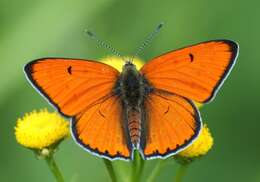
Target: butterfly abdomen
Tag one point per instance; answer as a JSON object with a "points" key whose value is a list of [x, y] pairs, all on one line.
{"points": [[134, 126]]}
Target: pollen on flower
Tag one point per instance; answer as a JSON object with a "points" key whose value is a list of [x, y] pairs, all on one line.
{"points": [[38, 130], [200, 146], [118, 62]]}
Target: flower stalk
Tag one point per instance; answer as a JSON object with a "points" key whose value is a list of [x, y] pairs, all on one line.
{"points": [[110, 170], [137, 167], [156, 170], [54, 168], [181, 172]]}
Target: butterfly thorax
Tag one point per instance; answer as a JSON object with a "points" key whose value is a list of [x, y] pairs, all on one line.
{"points": [[132, 91], [131, 85]]}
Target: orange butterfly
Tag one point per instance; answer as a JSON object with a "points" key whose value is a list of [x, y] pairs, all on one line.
{"points": [[150, 110]]}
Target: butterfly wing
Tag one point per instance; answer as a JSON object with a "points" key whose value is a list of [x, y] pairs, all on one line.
{"points": [[99, 129], [195, 72], [71, 85], [173, 122], [84, 90], [192, 73]]}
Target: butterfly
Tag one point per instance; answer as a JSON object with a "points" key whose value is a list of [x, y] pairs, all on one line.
{"points": [[151, 110]]}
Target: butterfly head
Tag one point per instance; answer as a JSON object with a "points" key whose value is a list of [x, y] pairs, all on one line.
{"points": [[129, 67]]}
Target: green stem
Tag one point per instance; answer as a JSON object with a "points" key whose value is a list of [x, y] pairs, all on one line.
{"points": [[137, 167], [134, 177], [110, 169], [181, 172], [54, 168], [141, 168], [155, 171]]}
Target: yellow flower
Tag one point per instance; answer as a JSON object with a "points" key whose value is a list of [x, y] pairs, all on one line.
{"points": [[38, 130], [200, 146], [118, 62]]}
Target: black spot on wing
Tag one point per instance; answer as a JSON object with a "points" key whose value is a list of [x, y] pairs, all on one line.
{"points": [[191, 57], [69, 70]]}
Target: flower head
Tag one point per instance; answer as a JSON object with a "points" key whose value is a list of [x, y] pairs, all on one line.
{"points": [[118, 62], [200, 146], [38, 130]]}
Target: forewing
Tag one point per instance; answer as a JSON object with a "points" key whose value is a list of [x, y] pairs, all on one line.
{"points": [[100, 130], [173, 122], [195, 72], [71, 85]]}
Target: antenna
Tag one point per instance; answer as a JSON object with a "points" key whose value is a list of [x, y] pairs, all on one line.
{"points": [[148, 40], [102, 43]]}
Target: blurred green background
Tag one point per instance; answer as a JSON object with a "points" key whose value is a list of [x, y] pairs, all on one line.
{"points": [[33, 29]]}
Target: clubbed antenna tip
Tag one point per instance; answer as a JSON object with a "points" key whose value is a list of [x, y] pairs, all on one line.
{"points": [[89, 33], [160, 26]]}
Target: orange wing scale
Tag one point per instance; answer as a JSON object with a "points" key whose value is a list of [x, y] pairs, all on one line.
{"points": [[173, 122], [72, 85], [100, 129], [194, 72]]}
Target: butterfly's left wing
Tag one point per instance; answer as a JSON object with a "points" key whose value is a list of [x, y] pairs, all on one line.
{"points": [[71, 85], [172, 123], [100, 130], [85, 91]]}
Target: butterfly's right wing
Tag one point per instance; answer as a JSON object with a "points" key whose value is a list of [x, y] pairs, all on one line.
{"points": [[172, 123], [195, 72]]}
